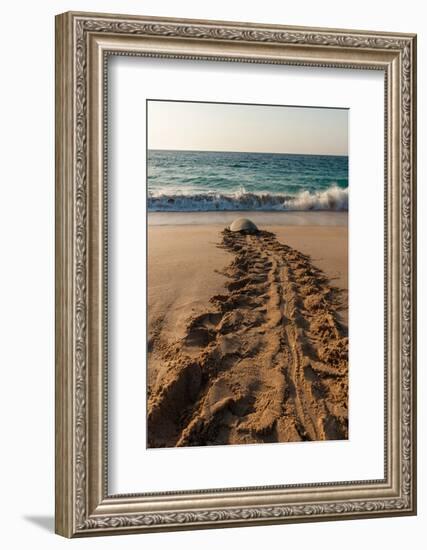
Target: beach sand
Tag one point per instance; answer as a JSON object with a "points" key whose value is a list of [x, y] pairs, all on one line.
{"points": [[247, 334]]}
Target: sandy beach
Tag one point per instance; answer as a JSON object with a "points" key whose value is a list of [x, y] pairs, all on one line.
{"points": [[247, 334]]}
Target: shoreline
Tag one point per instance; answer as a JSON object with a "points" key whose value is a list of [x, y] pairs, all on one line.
{"points": [[264, 218]]}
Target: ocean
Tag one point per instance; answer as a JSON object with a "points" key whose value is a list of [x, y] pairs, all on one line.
{"points": [[194, 181]]}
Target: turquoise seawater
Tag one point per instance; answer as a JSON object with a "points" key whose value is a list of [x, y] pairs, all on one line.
{"points": [[191, 181]]}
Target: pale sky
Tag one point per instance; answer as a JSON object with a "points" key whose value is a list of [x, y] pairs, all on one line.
{"points": [[246, 128]]}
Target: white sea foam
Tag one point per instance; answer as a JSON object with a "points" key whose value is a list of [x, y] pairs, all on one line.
{"points": [[334, 198]]}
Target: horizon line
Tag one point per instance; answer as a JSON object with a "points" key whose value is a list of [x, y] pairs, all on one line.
{"points": [[254, 152]]}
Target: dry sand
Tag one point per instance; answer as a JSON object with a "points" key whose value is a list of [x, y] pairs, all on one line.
{"points": [[247, 334]]}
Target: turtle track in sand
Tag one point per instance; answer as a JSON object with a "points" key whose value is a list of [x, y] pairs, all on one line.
{"points": [[267, 362]]}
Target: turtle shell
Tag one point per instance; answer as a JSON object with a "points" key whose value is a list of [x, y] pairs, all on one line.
{"points": [[244, 225]]}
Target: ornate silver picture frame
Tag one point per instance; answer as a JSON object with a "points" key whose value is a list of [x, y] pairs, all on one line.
{"points": [[84, 42]]}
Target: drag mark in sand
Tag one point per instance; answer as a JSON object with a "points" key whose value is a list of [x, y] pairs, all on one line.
{"points": [[267, 362]]}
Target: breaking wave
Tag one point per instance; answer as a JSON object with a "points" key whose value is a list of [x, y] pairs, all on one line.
{"points": [[334, 198]]}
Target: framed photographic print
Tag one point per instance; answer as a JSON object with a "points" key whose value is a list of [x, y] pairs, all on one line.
{"points": [[235, 274]]}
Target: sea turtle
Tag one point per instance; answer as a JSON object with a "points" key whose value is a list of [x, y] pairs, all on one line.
{"points": [[244, 225]]}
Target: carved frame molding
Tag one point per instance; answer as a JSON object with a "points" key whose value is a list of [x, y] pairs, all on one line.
{"points": [[83, 43]]}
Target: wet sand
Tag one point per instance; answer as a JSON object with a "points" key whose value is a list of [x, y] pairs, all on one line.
{"points": [[247, 334]]}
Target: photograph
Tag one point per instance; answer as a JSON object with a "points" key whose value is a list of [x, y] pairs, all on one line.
{"points": [[247, 273]]}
